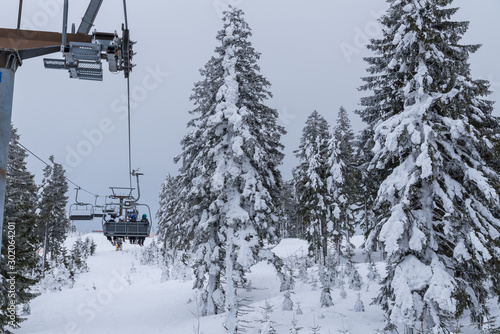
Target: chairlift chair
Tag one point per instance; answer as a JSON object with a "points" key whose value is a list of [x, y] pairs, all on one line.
{"points": [[98, 209], [127, 228], [126, 207], [79, 210]]}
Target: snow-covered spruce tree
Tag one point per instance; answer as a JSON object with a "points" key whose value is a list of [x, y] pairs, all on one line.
{"points": [[292, 226], [78, 257], [311, 184], [61, 272], [89, 246], [433, 138], [369, 182], [359, 306], [229, 178], [342, 183], [314, 195], [266, 324], [150, 255], [171, 233], [287, 304], [164, 210], [52, 203], [327, 277], [19, 263]]}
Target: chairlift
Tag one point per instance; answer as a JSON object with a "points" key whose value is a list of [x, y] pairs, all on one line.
{"points": [[125, 226], [79, 210], [98, 209], [125, 223]]}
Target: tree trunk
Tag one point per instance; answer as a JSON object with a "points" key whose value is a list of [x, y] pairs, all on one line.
{"points": [[212, 286], [324, 241], [45, 248], [231, 302]]}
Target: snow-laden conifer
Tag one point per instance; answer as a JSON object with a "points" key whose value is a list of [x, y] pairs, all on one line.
{"points": [[311, 184], [52, 203], [266, 324], [150, 255], [229, 181], [343, 293], [369, 182], [292, 226], [78, 257], [433, 136], [342, 183], [61, 272], [20, 222], [298, 311], [359, 306], [295, 328], [171, 233], [287, 304]]}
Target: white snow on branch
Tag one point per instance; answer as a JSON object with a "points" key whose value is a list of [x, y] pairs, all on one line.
{"points": [[393, 229]]}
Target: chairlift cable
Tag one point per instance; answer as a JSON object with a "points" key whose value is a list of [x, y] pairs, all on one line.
{"points": [[125, 13], [47, 164], [19, 14], [128, 100]]}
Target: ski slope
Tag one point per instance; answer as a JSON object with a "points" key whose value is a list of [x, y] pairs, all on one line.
{"points": [[119, 295]]}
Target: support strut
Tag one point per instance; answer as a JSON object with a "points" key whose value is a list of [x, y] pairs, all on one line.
{"points": [[9, 61]]}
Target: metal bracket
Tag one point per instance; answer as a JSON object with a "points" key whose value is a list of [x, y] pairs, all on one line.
{"points": [[82, 60], [10, 59]]}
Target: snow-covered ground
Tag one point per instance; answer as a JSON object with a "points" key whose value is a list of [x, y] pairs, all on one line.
{"points": [[119, 295]]}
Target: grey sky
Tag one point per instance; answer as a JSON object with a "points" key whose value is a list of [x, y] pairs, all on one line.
{"points": [[311, 53]]}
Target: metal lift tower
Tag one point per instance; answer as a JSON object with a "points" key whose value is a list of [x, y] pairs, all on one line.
{"points": [[82, 57]]}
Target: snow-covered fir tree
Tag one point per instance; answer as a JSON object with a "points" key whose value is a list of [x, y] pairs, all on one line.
{"points": [[318, 189], [369, 182], [89, 246], [292, 226], [311, 184], [298, 311], [172, 235], [287, 304], [354, 279], [170, 230], [343, 293], [266, 324], [359, 306], [342, 183], [295, 328], [326, 297], [150, 255], [21, 262], [79, 256], [163, 215], [433, 134], [229, 178], [288, 279], [52, 203], [61, 272]]}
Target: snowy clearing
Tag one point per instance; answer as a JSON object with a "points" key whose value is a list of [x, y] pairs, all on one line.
{"points": [[120, 295]]}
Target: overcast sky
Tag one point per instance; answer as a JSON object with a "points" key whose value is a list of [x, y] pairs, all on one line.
{"points": [[311, 53]]}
